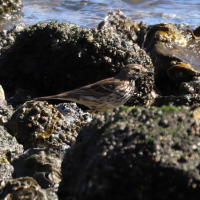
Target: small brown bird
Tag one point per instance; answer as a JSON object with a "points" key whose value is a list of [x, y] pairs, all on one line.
{"points": [[105, 94]]}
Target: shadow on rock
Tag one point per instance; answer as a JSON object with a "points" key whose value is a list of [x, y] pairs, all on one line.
{"points": [[135, 154]]}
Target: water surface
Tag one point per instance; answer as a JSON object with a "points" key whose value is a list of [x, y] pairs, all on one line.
{"points": [[90, 12]]}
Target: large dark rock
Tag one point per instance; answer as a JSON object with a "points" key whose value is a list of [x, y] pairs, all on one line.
{"points": [[48, 58], [141, 153]]}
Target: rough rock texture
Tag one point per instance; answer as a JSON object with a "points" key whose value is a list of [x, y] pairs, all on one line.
{"points": [[9, 149], [49, 58], [187, 100], [44, 165], [32, 122], [25, 188], [125, 26], [73, 119], [7, 37], [174, 50], [6, 169], [5, 110], [39, 124], [191, 87], [141, 153], [10, 6]]}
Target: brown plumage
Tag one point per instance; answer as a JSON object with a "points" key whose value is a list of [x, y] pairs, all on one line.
{"points": [[105, 94]]}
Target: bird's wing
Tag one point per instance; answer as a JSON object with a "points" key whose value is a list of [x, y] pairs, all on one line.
{"points": [[97, 89]]}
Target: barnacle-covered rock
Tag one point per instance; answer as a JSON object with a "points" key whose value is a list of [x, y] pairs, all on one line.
{"points": [[6, 169], [10, 10], [141, 153], [9, 149], [187, 100], [50, 58], [135, 32], [44, 165], [25, 188], [145, 93], [39, 124], [73, 119], [32, 122], [125, 26], [9, 6], [7, 37], [191, 87]]}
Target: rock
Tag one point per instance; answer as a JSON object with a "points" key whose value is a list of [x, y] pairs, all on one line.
{"points": [[25, 188], [44, 165], [49, 58], [39, 124], [125, 26], [19, 98], [141, 153], [175, 55], [10, 7], [9, 150], [5, 110], [7, 37]]}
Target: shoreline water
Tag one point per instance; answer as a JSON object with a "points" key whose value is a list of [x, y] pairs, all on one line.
{"points": [[90, 13]]}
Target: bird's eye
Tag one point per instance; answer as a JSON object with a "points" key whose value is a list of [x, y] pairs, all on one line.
{"points": [[136, 69]]}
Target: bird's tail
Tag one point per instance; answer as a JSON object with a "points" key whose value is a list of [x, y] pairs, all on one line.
{"points": [[62, 96]]}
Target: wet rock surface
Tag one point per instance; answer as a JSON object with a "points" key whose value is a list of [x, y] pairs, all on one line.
{"points": [[140, 153], [175, 55], [25, 188]]}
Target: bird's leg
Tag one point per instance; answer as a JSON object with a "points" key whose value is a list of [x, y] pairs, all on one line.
{"points": [[92, 112]]}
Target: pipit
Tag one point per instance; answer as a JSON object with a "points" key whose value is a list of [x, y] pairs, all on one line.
{"points": [[105, 94]]}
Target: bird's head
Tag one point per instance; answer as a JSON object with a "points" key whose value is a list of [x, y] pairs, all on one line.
{"points": [[132, 71]]}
